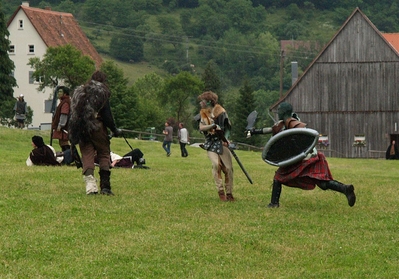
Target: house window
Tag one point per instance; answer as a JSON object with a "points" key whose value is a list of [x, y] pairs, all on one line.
{"points": [[48, 105], [33, 80], [12, 49], [21, 24], [31, 49], [359, 141]]}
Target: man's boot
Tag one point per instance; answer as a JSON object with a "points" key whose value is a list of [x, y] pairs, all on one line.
{"points": [[276, 191], [105, 183], [222, 195], [91, 186], [347, 190]]}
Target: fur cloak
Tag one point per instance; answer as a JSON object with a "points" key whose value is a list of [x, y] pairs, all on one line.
{"points": [[86, 102]]}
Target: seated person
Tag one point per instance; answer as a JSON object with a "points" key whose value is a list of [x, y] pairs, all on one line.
{"points": [[42, 154]]}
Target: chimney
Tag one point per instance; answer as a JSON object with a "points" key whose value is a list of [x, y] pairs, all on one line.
{"points": [[25, 3], [294, 71]]}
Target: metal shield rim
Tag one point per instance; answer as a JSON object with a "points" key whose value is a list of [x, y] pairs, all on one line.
{"points": [[296, 158]]}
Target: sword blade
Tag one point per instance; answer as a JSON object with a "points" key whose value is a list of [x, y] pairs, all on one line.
{"points": [[241, 166], [251, 119]]}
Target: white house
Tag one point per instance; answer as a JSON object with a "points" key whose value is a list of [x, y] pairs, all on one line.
{"points": [[32, 31]]}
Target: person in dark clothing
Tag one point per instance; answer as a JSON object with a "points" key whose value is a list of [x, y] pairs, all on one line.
{"points": [[392, 152], [20, 109], [306, 174], [128, 160], [41, 154], [90, 117]]}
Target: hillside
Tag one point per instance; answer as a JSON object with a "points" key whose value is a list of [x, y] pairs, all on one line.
{"points": [[242, 37], [321, 25], [134, 71]]}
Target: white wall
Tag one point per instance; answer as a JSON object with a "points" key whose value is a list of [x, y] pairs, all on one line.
{"points": [[21, 39]]}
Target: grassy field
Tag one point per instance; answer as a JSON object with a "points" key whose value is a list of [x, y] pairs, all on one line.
{"points": [[167, 221]]}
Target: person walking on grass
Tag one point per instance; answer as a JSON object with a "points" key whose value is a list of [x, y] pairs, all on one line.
{"points": [[90, 117], [183, 139], [168, 132]]}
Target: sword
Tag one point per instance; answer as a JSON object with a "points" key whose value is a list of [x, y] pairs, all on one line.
{"points": [[251, 119], [123, 135], [240, 164], [230, 147], [53, 108], [111, 135]]}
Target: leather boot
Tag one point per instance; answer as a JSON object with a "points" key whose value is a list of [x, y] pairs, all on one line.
{"points": [[91, 186], [105, 183], [222, 195], [276, 191], [347, 190]]}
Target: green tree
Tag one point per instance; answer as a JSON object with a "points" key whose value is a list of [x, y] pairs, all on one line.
{"points": [[151, 112], [244, 106], [171, 29], [122, 104], [67, 6], [243, 16], [127, 47], [7, 81], [177, 93], [64, 63], [99, 11], [205, 21], [210, 78]]}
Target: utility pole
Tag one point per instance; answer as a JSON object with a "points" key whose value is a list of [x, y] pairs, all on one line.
{"points": [[281, 72], [186, 48]]}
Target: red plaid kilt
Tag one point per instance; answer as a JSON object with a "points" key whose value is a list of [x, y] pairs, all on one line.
{"points": [[305, 174]]}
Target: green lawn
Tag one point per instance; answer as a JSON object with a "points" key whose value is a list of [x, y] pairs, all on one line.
{"points": [[167, 221]]}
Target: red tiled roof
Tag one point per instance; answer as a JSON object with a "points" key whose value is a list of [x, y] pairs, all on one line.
{"points": [[58, 29], [393, 39]]}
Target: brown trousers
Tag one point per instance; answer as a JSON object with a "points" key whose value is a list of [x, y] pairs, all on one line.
{"points": [[222, 163], [97, 144]]}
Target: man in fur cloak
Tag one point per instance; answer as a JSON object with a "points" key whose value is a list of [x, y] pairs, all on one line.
{"points": [[90, 117], [215, 125], [306, 174]]}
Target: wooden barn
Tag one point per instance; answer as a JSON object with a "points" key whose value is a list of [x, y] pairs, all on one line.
{"points": [[350, 92]]}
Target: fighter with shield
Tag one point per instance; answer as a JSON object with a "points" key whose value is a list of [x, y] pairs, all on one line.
{"points": [[305, 174]]}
